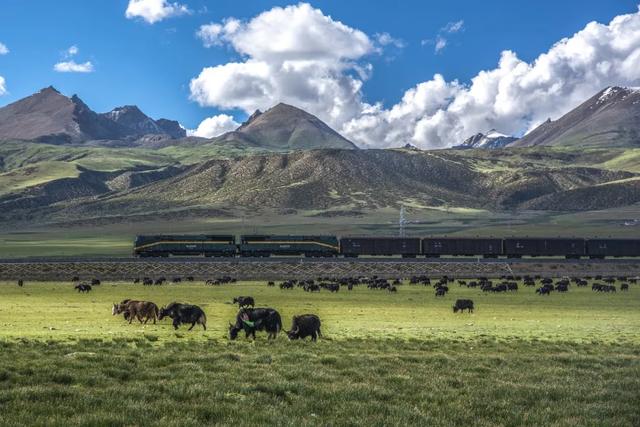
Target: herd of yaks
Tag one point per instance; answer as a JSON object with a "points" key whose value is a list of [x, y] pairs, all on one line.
{"points": [[250, 319]]}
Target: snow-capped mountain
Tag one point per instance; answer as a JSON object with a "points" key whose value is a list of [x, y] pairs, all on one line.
{"points": [[491, 140]]}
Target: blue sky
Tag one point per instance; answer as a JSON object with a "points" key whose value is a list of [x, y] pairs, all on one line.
{"points": [[151, 64]]}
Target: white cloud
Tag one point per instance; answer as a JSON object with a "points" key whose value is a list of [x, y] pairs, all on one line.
{"points": [[4, 50], [454, 27], [72, 51], [302, 57], [294, 54], [386, 39], [514, 97], [440, 44], [73, 67], [214, 126], [153, 11]]}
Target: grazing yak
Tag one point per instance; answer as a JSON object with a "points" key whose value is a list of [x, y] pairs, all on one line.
{"points": [[184, 313], [244, 301], [305, 325], [136, 310], [82, 287], [545, 290], [462, 305], [256, 319]]}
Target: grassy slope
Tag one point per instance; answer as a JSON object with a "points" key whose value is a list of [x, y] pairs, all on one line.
{"points": [[35, 174], [17, 154], [385, 359]]}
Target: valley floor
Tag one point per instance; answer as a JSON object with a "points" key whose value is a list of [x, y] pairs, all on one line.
{"points": [[385, 359]]}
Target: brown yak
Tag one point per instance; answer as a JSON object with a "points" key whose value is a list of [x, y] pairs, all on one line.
{"points": [[136, 309]]}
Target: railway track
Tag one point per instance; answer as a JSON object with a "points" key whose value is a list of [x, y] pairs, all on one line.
{"points": [[63, 269]]}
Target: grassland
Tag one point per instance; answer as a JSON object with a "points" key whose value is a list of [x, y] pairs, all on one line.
{"points": [[385, 359]]}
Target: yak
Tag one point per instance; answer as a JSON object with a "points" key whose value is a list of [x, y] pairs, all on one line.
{"points": [[244, 301], [303, 326], [136, 309], [184, 313], [463, 304], [256, 319], [83, 287]]}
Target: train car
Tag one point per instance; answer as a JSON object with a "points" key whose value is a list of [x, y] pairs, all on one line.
{"points": [[185, 245], [601, 248], [266, 245], [433, 247], [555, 246], [407, 247]]}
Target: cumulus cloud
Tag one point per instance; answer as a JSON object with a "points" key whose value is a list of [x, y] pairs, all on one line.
{"points": [[294, 54], [153, 11], [300, 56], [3, 49], [214, 126], [515, 96], [68, 65], [73, 67], [3, 86]]}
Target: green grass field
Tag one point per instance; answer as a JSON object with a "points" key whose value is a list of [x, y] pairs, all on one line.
{"points": [[385, 359]]}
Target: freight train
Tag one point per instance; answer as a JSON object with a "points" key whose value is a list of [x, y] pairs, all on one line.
{"points": [[406, 247]]}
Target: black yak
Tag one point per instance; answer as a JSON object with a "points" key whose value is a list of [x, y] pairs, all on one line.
{"points": [[305, 325]]}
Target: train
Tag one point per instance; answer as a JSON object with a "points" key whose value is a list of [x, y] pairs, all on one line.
{"points": [[256, 246]]}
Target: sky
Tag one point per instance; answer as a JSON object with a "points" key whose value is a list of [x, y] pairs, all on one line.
{"points": [[383, 73]]}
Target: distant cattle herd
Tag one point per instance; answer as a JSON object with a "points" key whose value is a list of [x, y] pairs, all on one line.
{"points": [[250, 319]]}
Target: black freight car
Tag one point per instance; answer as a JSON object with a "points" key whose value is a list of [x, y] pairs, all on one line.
{"points": [[267, 245], [185, 245], [555, 246], [434, 247], [407, 247], [601, 248]]}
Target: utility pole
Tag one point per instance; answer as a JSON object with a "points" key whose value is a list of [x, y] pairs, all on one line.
{"points": [[402, 221]]}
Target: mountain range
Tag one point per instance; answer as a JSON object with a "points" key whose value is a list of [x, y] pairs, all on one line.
{"points": [[50, 117], [609, 118], [62, 163]]}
